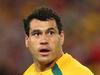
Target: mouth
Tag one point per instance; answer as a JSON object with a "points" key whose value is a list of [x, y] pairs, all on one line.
{"points": [[44, 52]]}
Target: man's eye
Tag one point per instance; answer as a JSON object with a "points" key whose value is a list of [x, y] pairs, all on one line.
{"points": [[36, 34], [51, 32]]}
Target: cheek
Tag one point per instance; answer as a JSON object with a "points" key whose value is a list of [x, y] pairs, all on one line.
{"points": [[32, 45], [56, 43], [33, 42]]}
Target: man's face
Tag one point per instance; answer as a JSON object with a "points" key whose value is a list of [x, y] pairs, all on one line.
{"points": [[44, 41]]}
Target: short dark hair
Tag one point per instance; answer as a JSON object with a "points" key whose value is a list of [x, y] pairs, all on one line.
{"points": [[43, 14]]}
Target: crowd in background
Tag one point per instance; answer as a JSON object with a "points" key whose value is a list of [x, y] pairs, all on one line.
{"points": [[81, 23]]}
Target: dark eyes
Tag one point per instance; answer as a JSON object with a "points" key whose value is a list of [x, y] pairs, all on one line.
{"points": [[51, 32], [36, 34]]}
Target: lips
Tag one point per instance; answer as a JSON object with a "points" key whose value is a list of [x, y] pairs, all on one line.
{"points": [[44, 52]]}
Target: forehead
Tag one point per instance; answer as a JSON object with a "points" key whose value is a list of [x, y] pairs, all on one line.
{"points": [[38, 24]]}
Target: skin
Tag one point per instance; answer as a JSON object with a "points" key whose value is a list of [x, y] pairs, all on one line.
{"points": [[45, 43]]}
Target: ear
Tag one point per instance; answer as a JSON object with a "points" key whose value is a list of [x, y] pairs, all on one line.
{"points": [[26, 40], [62, 37]]}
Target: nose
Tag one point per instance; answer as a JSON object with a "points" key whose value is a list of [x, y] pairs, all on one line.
{"points": [[44, 40]]}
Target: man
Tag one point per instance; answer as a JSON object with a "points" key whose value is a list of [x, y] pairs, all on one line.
{"points": [[44, 38]]}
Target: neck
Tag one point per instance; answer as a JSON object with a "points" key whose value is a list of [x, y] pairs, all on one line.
{"points": [[42, 67]]}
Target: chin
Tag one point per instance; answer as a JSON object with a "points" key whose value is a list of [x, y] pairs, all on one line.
{"points": [[45, 61]]}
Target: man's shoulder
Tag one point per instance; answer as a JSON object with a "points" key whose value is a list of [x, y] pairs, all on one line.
{"points": [[29, 70], [73, 66]]}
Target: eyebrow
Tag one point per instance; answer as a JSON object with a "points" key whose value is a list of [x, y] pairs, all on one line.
{"points": [[51, 29], [36, 30]]}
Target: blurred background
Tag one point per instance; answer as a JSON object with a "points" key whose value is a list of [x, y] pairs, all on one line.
{"points": [[81, 23]]}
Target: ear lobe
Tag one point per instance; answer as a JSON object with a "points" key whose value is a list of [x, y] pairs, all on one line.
{"points": [[26, 40]]}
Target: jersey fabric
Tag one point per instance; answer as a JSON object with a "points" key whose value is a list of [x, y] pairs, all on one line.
{"points": [[65, 65]]}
